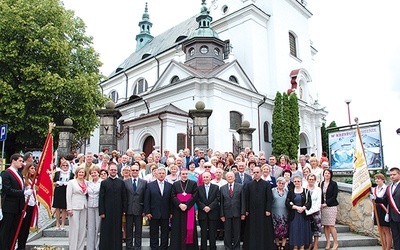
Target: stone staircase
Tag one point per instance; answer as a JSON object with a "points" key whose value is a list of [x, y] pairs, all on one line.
{"points": [[59, 239]]}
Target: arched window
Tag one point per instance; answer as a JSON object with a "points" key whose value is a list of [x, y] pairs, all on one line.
{"points": [[266, 132], [233, 78], [180, 141], [235, 120], [113, 96], [293, 44], [140, 86], [174, 79]]}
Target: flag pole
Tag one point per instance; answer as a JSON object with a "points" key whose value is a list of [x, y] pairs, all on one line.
{"points": [[383, 243], [51, 126], [358, 134]]}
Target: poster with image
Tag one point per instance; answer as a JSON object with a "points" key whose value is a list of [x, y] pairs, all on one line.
{"points": [[342, 144]]}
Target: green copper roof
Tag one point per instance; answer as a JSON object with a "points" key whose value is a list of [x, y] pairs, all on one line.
{"points": [[204, 19], [146, 15]]}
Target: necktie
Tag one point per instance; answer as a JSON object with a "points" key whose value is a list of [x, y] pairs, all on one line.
{"points": [[273, 171], [161, 187], [393, 188], [134, 185], [230, 190], [241, 178], [207, 189]]}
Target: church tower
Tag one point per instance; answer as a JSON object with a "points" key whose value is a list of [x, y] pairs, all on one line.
{"points": [[204, 50], [144, 36]]}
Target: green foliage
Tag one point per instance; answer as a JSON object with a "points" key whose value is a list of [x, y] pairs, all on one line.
{"points": [[48, 72], [294, 123], [333, 125], [324, 135], [285, 126], [324, 138], [278, 143]]}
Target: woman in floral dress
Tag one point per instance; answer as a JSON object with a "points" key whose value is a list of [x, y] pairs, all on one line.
{"points": [[280, 213]]}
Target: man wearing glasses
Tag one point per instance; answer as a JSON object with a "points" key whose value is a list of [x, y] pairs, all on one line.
{"points": [[207, 169]]}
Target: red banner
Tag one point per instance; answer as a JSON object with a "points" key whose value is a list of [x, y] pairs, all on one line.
{"points": [[45, 182]]}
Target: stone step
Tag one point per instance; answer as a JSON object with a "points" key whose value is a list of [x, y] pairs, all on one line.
{"points": [[342, 228], [346, 239], [349, 239], [52, 232]]}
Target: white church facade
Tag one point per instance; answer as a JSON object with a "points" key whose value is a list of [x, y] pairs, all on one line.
{"points": [[233, 56]]}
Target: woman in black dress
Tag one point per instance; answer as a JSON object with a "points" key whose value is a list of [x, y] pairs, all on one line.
{"points": [[60, 182], [382, 210]]}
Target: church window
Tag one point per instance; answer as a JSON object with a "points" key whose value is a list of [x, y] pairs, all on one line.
{"points": [[174, 79], [293, 44], [191, 51], [180, 141], [216, 51], [227, 49], [233, 79], [266, 132], [224, 9], [235, 120], [203, 49], [140, 86], [113, 96]]}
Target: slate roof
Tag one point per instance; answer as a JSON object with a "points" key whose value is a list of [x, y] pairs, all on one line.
{"points": [[159, 44]]}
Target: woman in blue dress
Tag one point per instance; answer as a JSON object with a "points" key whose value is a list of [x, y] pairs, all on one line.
{"points": [[298, 201]]}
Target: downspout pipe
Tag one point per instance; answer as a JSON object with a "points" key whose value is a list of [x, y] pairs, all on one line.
{"points": [[101, 87], [259, 120], [162, 132], [126, 85], [158, 67]]}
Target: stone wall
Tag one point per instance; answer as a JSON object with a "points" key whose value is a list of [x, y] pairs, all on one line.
{"points": [[358, 218]]}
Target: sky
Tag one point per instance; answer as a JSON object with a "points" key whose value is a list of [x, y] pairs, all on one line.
{"points": [[357, 41]]}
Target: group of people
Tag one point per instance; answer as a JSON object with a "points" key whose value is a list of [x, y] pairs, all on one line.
{"points": [[17, 187], [387, 214], [231, 198]]}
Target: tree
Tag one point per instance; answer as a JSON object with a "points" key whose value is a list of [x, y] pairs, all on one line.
{"points": [[324, 138], [324, 135], [285, 126], [48, 72], [294, 126], [278, 143]]}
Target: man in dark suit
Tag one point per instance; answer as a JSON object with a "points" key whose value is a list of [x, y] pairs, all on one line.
{"points": [[124, 163], [240, 176], [157, 207], [135, 190], [12, 201], [232, 211], [208, 213], [392, 197]]}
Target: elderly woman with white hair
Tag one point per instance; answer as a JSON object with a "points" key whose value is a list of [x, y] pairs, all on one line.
{"points": [[280, 213]]}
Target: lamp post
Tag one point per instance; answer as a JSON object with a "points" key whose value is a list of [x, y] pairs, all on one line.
{"points": [[348, 101]]}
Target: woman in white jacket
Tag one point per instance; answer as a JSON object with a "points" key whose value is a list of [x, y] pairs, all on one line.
{"points": [[94, 220], [77, 209], [314, 211]]}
